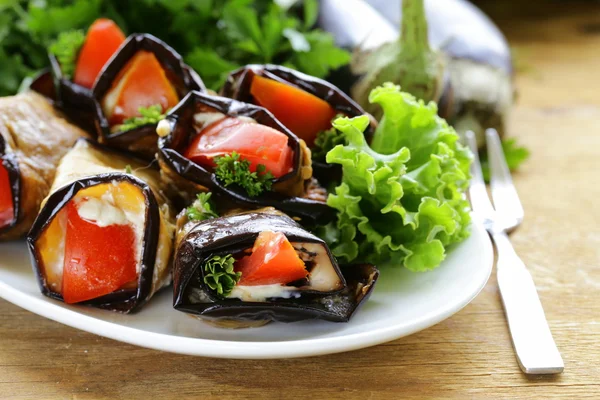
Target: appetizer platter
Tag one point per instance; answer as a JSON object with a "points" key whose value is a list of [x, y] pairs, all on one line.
{"points": [[273, 217]]}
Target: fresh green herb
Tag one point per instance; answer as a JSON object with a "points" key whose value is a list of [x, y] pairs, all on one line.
{"points": [[325, 141], [214, 36], [128, 169], [148, 115], [515, 156], [402, 198], [219, 274], [66, 48], [202, 208], [232, 170]]}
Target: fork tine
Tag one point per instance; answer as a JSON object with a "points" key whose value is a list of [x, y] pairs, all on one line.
{"points": [[504, 194], [480, 202]]}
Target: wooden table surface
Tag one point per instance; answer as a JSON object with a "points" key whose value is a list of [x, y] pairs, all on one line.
{"points": [[466, 356]]}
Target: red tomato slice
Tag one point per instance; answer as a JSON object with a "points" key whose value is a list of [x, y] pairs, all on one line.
{"points": [[143, 82], [7, 211], [273, 260], [256, 143], [103, 39], [98, 260], [303, 113]]}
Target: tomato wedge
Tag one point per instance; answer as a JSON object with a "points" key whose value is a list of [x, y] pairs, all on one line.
{"points": [[273, 260], [98, 260], [256, 143], [7, 211], [301, 112], [143, 82], [102, 40]]}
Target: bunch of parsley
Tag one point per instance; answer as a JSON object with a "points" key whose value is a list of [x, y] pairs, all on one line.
{"points": [[214, 36]]}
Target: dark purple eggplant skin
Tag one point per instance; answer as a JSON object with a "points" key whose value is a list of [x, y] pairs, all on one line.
{"points": [[141, 140], [9, 161], [125, 301], [238, 85], [43, 83], [172, 146], [231, 234], [74, 100]]}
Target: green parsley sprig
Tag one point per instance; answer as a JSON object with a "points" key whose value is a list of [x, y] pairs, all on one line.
{"points": [[202, 208], [327, 140], [232, 170], [148, 115], [219, 274], [66, 49]]}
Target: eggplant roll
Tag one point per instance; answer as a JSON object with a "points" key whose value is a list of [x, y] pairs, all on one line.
{"points": [[203, 127], [251, 268], [33, 138], [144, 74], [74, 82], [104, 235], [304, 104]]}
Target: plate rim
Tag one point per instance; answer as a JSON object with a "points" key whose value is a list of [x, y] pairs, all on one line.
{"points": [[246, 349]]}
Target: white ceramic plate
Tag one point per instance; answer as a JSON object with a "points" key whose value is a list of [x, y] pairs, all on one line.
{"points": [[402, 303]]}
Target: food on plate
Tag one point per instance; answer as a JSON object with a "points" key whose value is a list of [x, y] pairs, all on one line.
{"points": [[33, 138], [104, 235], [304, 104], [143, 81], [403, 198], [242, 154], [250, 268], [77, 58]]}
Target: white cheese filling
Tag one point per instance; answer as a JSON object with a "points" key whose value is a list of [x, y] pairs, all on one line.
{"points": [[263, 292]]}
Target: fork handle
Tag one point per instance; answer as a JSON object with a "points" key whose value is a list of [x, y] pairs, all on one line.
{"points": [[531, 336]]}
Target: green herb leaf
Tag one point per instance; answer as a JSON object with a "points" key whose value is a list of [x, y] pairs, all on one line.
{"points": [[402, 198], [233, 170], [128, 169], [325, 141], [515, 156], [202, 208], [66, 48], [219, 274], [148, 115]]}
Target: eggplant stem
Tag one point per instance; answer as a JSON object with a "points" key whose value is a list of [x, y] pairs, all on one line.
{"points": [[414, 28]]}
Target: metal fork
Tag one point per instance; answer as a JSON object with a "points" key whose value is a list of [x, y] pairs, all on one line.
{"points": [[532, 340]]}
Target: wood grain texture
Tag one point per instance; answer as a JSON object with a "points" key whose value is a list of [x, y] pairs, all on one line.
{"points": [[466, 356]]}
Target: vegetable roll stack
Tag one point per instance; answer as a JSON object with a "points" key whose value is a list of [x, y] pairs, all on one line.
{"points": [[76, 60], [104, 235], [144, 80], [251, 268], [33, 138], [304, 104], [242, 153]]}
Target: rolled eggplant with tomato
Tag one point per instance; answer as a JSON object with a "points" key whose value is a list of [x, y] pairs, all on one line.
{"points": [[33, 138], [144, 80], [104, 235], [248, 269], [304, 104], [242, 154], [76, 60]]}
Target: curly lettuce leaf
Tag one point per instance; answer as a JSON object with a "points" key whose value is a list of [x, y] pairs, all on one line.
{"points": [[403, 197]]}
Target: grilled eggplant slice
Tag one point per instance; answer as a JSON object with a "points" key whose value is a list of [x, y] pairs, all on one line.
{"points": [[327, 292], [144, 72], [303, 103], [104, 235], [293, 192], [33, 138]]}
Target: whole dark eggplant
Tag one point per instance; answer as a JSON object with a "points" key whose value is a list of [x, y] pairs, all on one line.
{"points": [[476, 89]]}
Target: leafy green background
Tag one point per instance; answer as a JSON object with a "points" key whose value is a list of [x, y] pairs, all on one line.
{"points": [[214, 36]]}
